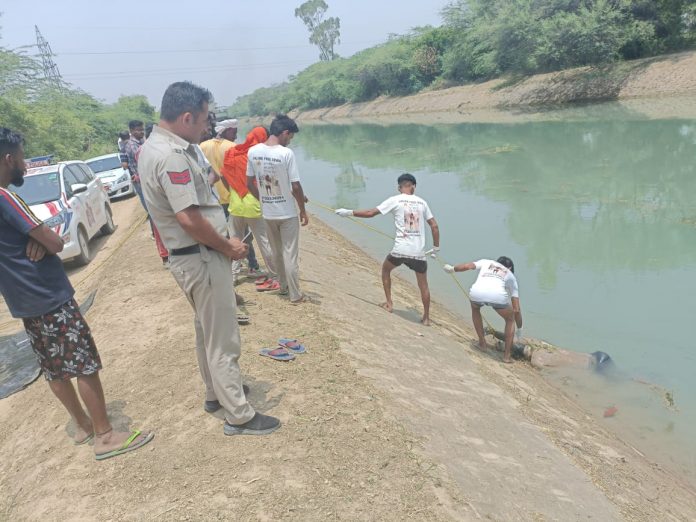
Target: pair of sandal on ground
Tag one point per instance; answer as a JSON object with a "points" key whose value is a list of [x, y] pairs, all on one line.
{"points": [[286, 350]]}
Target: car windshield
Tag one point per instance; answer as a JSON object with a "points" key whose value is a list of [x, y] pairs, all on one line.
{"points": [[40, 188], [105, 164]]}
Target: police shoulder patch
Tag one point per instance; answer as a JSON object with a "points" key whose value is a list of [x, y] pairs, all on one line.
{"points": [[180, 178]]}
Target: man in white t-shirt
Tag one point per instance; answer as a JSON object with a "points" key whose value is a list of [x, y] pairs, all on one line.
{"points": [[411, 213], [496, 286], [273, 179]]}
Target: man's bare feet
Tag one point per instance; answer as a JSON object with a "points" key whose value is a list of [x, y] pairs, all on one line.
{"points": [[388, 306], [425, 321], [478, 346], [83, 433], [114, 440], [507, 361]]}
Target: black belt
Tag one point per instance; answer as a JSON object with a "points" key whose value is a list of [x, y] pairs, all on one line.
{"points": [[193, 249]]}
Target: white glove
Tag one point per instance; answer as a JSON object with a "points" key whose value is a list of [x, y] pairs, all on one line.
{"points": [[518, 335], [449, 269], [433, 252], [344, 212]]}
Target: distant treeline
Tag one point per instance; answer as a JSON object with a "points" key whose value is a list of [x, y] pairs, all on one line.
{"points": [[61, 120], [485, 39]]}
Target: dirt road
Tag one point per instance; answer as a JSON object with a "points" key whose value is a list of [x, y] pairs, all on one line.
{"points": [[383, 419]]}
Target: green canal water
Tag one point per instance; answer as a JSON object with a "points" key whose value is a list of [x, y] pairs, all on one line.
{"points": [[599, 216]]}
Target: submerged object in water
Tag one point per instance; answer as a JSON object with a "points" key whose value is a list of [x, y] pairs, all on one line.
{"points": [[602, 362], [544, 355]]}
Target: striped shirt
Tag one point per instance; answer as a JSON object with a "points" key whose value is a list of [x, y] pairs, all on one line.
{"points": [[130, 150], [30, 289]]}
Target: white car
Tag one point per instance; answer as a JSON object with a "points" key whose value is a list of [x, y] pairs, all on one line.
{"points": [[115, 178], [70, 200]]}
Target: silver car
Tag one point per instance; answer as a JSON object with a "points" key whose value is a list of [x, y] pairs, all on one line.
{"points": [[114, 177]]}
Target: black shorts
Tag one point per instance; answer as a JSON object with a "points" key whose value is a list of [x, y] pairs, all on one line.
{"points": [[63, 343], [419, 266]]}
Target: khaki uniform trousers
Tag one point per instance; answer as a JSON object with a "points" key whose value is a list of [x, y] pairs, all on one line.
{"points": [[284, 236], [237, 227], [206, 279]]}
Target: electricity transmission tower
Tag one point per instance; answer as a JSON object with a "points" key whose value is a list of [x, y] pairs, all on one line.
{"points": [[50, 68]]}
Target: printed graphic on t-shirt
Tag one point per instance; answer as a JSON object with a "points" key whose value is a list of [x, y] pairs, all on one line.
{"points": [[269, 186], [412, 218], [495, 270]]}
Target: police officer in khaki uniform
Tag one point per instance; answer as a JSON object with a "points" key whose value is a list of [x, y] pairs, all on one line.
{"points": [[194, 230]]}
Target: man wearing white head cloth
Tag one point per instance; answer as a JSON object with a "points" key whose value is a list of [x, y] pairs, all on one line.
{"points": [[214, 150]]}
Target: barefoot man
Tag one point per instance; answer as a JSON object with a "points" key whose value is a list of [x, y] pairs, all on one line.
{"points": [[496, 285], [36, 290], [410, 215]]}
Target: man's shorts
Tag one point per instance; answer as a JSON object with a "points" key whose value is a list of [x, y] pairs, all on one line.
{"points": [[420, 266], [495, 306], [63, 343]]}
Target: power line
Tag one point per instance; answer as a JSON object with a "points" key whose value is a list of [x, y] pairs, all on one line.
{"points": [[213, 50], [157, 72]]}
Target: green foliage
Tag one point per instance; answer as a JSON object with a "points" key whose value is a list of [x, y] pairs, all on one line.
{"points": [[480, 40], [325, 33], [66, 122]]}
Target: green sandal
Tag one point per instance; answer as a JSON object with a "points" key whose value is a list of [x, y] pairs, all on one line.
{"points": [[127, 446], [85, 440]]}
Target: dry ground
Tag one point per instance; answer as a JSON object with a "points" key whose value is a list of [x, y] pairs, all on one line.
{"points": [[383, 419]]}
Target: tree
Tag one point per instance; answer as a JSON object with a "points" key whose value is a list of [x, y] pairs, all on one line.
{"points": [[68, 122], [325, 33]]}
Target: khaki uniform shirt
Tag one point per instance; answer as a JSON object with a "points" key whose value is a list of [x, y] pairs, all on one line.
{"points": [[172, 181]]}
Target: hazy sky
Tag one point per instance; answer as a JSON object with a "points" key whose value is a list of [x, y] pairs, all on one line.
{"points": [[231, 47]]}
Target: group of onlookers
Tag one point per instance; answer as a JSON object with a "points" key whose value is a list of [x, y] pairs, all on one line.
{"points": [[200, 201], [203, 202]]}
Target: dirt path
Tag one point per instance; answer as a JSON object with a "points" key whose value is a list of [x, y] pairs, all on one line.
{"points": [[85, 278], [384, 419], [338, 456]]}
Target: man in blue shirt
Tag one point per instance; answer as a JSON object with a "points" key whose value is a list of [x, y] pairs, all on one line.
{"points": [[37, 290]]}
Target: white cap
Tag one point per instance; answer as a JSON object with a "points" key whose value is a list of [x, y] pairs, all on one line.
{"points": [[226, 124]]}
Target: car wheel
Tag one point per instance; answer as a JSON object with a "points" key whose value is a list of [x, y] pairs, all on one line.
{"points": [[84, 257], [109, 226]]}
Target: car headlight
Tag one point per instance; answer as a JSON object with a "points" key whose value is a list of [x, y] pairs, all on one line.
{"points": [[55, 221], [122, 179]]}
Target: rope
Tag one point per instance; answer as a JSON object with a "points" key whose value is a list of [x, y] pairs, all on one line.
{"points": [[354, 220], [133, 229], [369, 227], [97, 266]]}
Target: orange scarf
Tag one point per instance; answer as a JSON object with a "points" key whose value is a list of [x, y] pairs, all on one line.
{"points": [[235, 164]]}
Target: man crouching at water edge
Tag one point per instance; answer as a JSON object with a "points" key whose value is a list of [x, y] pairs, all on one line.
{"points": [[37, 290], [194, 230], [496, 285], [410, 215]]}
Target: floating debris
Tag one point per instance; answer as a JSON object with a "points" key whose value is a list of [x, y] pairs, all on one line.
{"points": [[610, 411]]}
